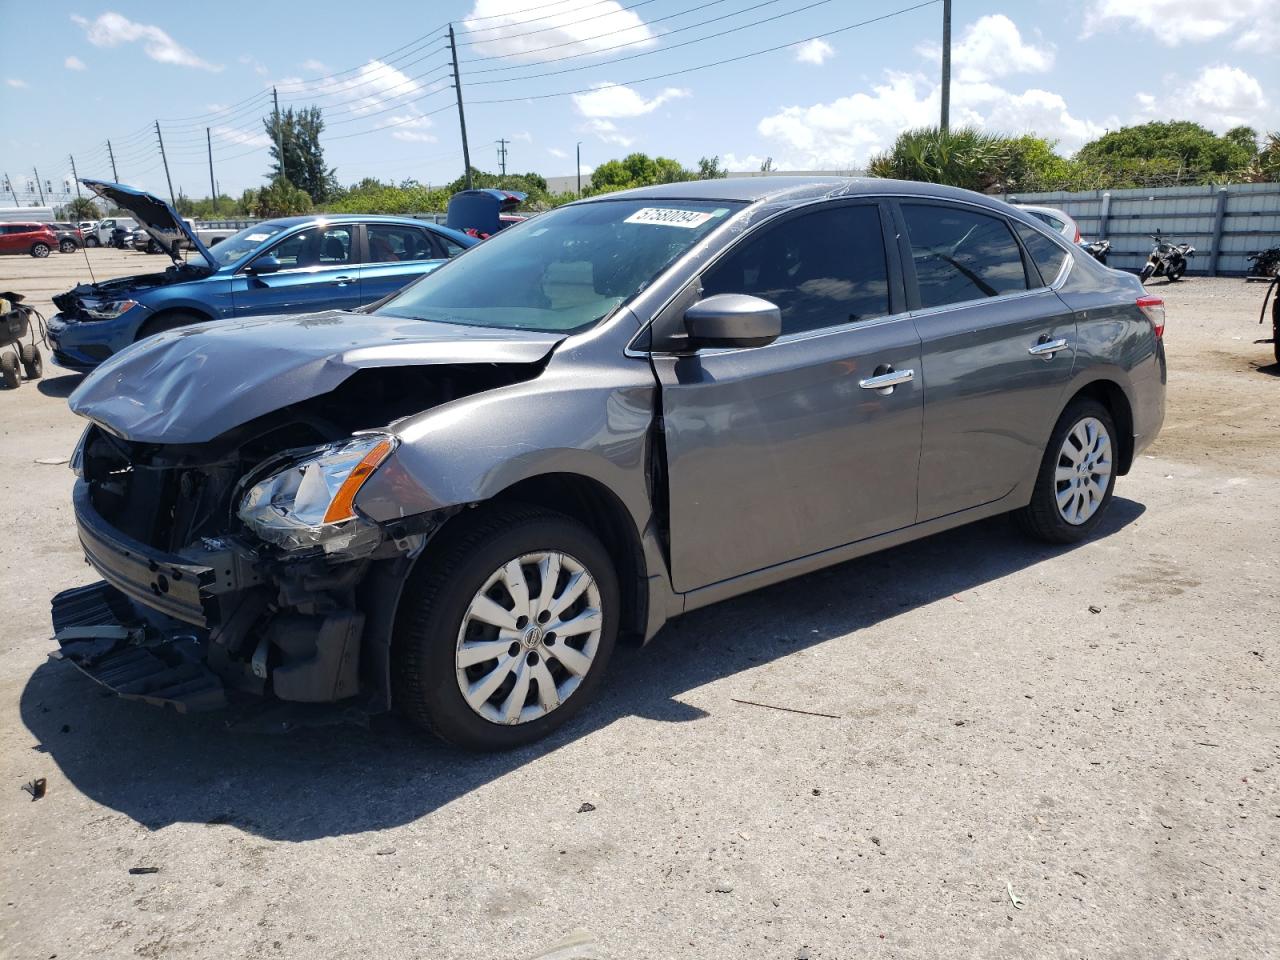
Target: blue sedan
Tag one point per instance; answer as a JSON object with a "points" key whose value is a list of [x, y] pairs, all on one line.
{"points": [[289, 265]]}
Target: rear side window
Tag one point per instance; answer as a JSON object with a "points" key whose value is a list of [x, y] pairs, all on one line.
{"points": [[960, 255], [389, 243], [451, 247], [1047, 255], [821, 269]]}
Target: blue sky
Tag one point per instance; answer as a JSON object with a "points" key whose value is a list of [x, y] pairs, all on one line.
{"points": [[1066, 69]]}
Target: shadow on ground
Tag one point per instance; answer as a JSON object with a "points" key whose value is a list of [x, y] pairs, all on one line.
{"points": [[159, 768], [62, 386]]}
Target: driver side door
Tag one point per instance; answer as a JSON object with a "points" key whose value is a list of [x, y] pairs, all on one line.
{"points": [[319, 270]]}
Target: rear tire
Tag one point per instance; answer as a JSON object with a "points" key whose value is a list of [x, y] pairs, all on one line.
{"points": [[1146, 273], [438, 615], [40, 250], [1079, 460], [167, 321], [9, 371], [32, 362], [1175, 273], [67, 246]]}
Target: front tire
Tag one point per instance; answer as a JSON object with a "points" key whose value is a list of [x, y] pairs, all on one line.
{"points": [[1077, 476], [167, 321], [505, 628], [1147, 271], [40, 250], [92, 242]]}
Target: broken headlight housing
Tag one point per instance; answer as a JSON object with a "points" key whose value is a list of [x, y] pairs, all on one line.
{"points": [[107, 309], [307, 499]]}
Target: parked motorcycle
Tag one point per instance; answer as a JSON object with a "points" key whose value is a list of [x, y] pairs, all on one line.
{"points": [[1266, 264], [1098, 249], [1167, 260]]}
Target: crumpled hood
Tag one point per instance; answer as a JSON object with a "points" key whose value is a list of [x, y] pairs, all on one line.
{"points": [[193, 384]]}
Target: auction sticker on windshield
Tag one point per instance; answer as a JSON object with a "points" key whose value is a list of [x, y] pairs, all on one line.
{"points": [[665, 217]]}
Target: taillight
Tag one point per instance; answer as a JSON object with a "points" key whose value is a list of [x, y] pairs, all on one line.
{"points": [[1153, 309], [1077, 233]]}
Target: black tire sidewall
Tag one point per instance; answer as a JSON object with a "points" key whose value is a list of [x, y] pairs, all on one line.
{"points": [[37, 247], [9, 374], [432, 625], [1058, 529], [165, 322], [67, 246]]}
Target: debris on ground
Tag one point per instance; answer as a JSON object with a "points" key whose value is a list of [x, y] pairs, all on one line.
{"points": [[385, 851], [770, 706], [586, 807], [1013, 897], [36, 788], [52, 461], [1094, 609], [138, 871]]}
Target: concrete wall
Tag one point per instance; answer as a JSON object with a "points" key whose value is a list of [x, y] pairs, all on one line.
{"points": [[1224, 224]]}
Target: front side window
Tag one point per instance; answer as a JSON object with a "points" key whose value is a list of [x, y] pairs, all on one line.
{"points": [[391, 244], [1047, 255], [961, 255], [565, 271], [821, 269], [320, 246]]}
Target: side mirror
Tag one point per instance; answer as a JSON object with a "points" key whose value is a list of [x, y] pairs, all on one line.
{"points": [[733, 320], [267, 264]]}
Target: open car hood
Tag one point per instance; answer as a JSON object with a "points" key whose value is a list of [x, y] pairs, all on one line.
{"points": [[195, 383], [156, 217]]}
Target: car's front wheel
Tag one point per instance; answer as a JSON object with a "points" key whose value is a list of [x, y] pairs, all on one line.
{"points": [[91, 241], [505, 627], [1077, 476], [40, 250]]}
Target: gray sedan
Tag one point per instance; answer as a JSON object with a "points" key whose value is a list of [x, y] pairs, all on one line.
{"points": [[454, 503]]}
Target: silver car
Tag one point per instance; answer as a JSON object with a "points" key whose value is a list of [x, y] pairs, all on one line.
{"points": [[453, 503]]}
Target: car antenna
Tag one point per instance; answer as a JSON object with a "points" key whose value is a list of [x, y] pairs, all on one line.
{"points": [[85, 250]]}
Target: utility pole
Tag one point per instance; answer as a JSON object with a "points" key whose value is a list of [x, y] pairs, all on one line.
{"points": [[208, 139], [39, 188], [577, 152], [75, 176], [946, 65], [279, 130], [114, 176], [8, 185], [462, 117], [165, 160], [502, 155]]}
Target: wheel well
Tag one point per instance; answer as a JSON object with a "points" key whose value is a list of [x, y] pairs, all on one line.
{"points": [[1110, 395], [147, 328], [598, 507]]}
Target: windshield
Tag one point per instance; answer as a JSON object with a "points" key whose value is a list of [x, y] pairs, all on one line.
{"points": [[564, 270], [238, 244]]}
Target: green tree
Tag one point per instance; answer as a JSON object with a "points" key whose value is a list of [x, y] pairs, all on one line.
{"points": [[1178, 150], [81, 208], [709, 169], [962, 157], [637, 170], [298, 132], [280, 198]]}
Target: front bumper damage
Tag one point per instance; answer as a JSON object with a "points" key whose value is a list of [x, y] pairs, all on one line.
{"points": [[224, 622]]}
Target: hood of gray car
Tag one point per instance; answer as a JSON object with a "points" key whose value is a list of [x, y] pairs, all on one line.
{"points": [[193, 384]]}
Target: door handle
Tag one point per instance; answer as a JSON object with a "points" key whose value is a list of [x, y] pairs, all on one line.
{"points": [[1047, 349], [885, 382], [342, 281]]}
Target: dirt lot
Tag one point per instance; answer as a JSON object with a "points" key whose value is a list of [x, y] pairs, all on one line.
{"points": [[1095, 732]]}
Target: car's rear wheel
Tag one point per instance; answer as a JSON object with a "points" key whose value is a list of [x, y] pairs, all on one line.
{"points": [[505, 628], [168, 321], [1077, 476], [40, 250], [67, 246]]}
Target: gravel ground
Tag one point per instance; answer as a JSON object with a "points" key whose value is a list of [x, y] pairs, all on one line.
{"points": [[1091, 731]]}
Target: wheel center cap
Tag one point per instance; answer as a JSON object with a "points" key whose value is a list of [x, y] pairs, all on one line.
{"points": [[532, 637]]}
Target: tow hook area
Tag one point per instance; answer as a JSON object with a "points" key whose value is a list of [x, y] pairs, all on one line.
{"points": [[99, 633]]}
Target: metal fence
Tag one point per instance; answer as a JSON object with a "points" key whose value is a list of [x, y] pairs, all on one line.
{"points": [[1224, 224]]}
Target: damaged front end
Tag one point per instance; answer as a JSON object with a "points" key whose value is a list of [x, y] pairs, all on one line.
{"points": [[238, 567]]}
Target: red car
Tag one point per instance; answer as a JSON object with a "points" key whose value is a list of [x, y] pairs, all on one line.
{"points": [[37, 239]]}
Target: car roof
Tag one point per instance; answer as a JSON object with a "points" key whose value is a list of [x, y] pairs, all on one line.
{"points": [[347, 218], [795, 190]]}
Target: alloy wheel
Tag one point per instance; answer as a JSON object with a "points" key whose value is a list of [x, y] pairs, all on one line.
{"points": [[529, 637], [1084, 470]]}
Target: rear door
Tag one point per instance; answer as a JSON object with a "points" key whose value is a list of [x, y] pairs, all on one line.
{"points": [[319, 270], [998, 347], [8, 239], [396, 254], [781, 451]]}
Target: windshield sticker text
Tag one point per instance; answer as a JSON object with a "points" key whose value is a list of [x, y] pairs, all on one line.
{"points": [[663, 217]]}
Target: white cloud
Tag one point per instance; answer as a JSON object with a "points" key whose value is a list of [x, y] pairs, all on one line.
{"points": [[558, 153], [504, 28], [751, 163], [259, 68], [991, 46], [242, 137], [16, 83], [74, 63], [523, 135], [374, 85], [315, 66], [608, 132], [1220, 97], [1173, 22], [411, 128], [615, 100], [111, 30], [816, 51]]}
